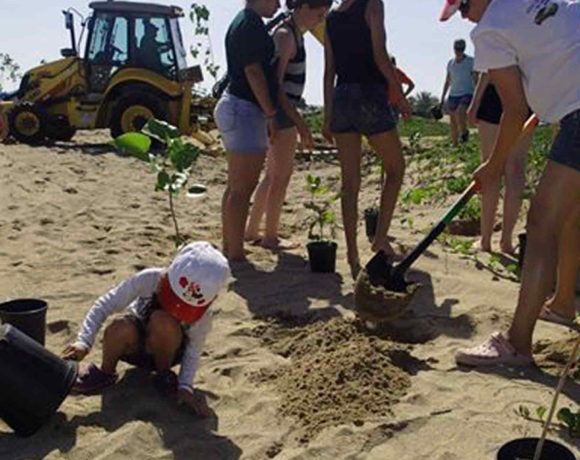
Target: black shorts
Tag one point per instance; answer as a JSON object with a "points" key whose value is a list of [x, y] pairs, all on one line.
{"points": [[141, 358], [490, 110], [566, 147]]}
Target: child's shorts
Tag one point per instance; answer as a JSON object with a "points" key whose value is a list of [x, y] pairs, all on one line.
{"points": [[453, 102], [141, 358], [242, 125], [362, 108], [283, 121], [566, 147]]}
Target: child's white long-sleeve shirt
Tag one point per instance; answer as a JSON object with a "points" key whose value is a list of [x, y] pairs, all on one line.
{"points": [[134, 295]]}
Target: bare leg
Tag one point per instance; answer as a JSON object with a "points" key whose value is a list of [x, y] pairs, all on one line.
{"points": [[164, 337], [121, 337], [388, 147], [562, 302], [462, 119], [454, 123], [557, 197], [269, 197], [350, 154], [489, 196], [243, 174], [515, 182]]}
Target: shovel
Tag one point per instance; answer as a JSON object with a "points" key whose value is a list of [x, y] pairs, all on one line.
{"points": [[392, 277]]}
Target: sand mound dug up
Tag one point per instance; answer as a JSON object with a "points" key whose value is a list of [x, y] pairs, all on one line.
{"points": [[553, 356], [337, 374]]}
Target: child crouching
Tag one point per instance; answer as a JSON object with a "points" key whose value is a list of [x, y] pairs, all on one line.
{"points": [[166, 321]]}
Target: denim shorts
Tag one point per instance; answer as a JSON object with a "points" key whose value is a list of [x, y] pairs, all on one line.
{"points": [[566, 146], [362, 108], [453, 102], [242, 125]]}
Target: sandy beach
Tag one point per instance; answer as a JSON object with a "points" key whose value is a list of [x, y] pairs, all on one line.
{"points": [[288, 370]]}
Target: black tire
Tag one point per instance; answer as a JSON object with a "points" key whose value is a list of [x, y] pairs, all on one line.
{"points": [[151, 102], [28, 123], [59, 129]]}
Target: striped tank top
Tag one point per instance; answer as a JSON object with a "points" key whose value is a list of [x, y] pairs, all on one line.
{"points": [[295, 76]]}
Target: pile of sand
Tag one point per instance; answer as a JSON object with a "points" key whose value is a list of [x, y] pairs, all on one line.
{"points": [[337, 374], [554, 355]]}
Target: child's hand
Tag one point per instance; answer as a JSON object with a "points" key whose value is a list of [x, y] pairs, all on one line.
{"points": [[327, 132], [75, 352], [195, 401]]}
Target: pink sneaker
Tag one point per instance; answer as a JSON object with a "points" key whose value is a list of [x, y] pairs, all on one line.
{"points": [[497, 350]]}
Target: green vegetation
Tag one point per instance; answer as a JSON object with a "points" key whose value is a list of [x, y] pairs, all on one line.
{"points": [[321, 204], [9, 69], [173, 165]]}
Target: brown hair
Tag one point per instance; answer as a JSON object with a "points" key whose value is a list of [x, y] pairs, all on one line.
{"points": [[293, 4]]}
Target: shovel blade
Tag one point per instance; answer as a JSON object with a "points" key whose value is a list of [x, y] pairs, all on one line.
{"points": [[379, 268]]}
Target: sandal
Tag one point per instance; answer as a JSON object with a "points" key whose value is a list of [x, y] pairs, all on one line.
{"points": [[166, 382], [92, 380], [497, 350], [550, 316]]}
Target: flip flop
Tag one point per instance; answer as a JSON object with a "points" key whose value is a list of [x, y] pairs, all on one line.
{"points": [[497, 350], [550, 316]]}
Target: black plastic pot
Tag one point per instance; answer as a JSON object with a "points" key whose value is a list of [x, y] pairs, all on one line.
{"points": [[33, 381], [371, 222], [523, 239], [322, 256], [437, 112], [525, 448], [28, 315]]}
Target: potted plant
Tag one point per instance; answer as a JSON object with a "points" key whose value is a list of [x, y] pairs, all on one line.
{"points": [[540, 448], [322, 224], [371, 216], [173, 165]]}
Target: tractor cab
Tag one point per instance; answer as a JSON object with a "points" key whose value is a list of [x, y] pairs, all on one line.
{"points": [[133, 35]]}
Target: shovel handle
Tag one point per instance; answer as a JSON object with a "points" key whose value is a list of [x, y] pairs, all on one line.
{"points": [[400, 269]]}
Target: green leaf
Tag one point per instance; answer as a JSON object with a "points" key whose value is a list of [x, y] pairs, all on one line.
{"points": [[196, 191], [134, 144], [566, 416], [540, 412], [163, 181], [160, 130], [183, 155]]}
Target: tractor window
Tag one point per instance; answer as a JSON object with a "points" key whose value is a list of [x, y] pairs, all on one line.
{"points": [[109, 42], [179, 48], [154, 46]]}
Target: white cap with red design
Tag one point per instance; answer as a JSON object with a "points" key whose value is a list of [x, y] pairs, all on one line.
{"points": [[449, 9], [193, 281]]}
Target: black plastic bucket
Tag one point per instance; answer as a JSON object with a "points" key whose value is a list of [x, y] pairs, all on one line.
{"points": [[525, 448], [28, 315], [322, 256], [371, 221], [523, 239], [33, 381]]}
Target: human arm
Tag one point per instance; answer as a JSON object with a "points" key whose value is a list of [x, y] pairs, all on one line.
{"points": [[286, 46], [375, 17], [257, 81], [196, 338], [446, 86], [480, 88], [143, 284], [405, 80], [329, 79], [508, 83]]}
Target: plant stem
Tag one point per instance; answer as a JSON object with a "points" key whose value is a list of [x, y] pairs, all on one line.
{"points": [[559, 388], [171, 207]]}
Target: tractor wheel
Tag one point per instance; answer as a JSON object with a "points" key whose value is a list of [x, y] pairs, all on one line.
{"points": [[59, 129], [28, 123], [133, 111]]}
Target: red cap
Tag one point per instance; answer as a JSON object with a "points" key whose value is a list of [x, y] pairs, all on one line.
{"points": [[449, 9], [176, 307]]}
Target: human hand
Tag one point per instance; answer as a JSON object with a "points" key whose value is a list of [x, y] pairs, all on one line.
{"points": [[306, 138], [404, 108], [272, 127], [472, 116], [486, 174], [75, 352], [195, 401]]}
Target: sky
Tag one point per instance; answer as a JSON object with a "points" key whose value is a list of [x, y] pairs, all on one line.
{"points": [[32, 30]]}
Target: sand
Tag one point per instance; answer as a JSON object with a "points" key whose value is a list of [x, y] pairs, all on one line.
{"points": [[75, 219]]}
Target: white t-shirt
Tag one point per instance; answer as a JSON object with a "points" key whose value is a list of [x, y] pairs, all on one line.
{"points": [[133, 295], [541, 37]]}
